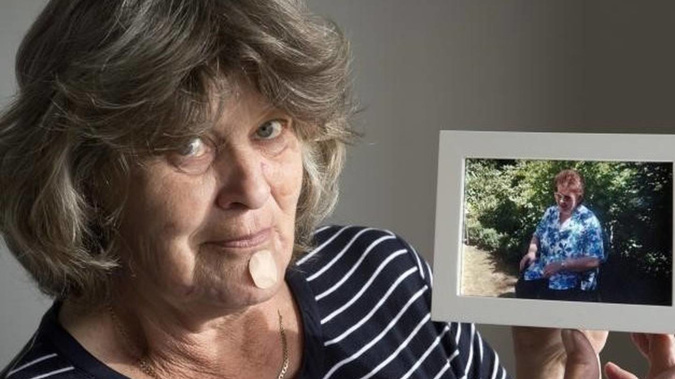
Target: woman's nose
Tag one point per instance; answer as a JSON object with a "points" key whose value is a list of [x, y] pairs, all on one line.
{"points": [[243, 183]]}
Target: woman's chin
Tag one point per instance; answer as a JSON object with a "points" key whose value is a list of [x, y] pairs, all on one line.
{"points": [[239, 296]]}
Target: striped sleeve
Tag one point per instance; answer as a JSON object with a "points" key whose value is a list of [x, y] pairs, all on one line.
{"points": [[38, 361], [52, 353]]}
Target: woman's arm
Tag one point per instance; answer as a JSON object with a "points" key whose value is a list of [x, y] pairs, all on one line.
{"points": [[531, 254], [571, 264], [535, 242]]}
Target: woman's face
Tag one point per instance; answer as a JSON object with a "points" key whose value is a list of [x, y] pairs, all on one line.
{"points": [[567, 199], [194, 217]]}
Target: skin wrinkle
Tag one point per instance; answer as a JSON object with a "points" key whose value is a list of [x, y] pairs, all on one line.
{"points": [[196, 360]]}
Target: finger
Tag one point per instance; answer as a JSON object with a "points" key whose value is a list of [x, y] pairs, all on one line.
{"points": [[598, 338], [615, 372], [641, 341], [549, 270], [661, 353], [670, 374], [523, 262], [582, 361]]}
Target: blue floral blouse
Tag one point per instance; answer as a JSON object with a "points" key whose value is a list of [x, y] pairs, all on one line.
{"points": [[579, 236]]}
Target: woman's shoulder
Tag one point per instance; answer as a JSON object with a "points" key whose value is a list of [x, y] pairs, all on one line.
{"points": [[551, 211], [339, 248], [585, 214], [371, 294], [345, 234], [39, 359], [53, 353], [359, 266]]}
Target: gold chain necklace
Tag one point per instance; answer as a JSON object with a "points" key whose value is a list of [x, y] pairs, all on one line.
{"points": [[284, 347], [147, 370]]}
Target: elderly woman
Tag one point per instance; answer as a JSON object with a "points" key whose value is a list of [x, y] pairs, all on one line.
{"points": [[165, 164], [566, 248]]}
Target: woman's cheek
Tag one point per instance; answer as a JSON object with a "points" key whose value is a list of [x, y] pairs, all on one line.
{"points": [[285, 178]]}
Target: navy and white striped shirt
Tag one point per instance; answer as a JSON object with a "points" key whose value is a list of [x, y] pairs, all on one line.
{"points": [[365, 298]]}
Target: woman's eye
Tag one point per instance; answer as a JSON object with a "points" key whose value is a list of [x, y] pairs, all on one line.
{"points": [[270, 129], [195, 148], [195, 157]]}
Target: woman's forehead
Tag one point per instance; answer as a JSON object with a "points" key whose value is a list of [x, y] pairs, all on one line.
{"points": [[243, 97], [242, 105], [567, 189]]}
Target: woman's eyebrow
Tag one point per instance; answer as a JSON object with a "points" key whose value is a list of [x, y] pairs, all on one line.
{"points": [[274, 113]]}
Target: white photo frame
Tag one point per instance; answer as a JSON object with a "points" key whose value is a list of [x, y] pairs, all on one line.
{"points": [[447, 302]]}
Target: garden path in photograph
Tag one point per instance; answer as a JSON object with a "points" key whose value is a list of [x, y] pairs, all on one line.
{"points": [[483, 276]]}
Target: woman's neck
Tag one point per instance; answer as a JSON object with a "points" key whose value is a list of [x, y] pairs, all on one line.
{"points": [[171, 342], [565, 215]]}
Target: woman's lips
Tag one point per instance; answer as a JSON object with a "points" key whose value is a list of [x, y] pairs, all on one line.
{"points": [[249, 240]]}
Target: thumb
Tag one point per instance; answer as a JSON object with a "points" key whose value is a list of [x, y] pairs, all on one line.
{"points": [[582, 361], [615, 372]]}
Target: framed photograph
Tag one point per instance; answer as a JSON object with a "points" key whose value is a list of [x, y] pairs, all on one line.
{"points": [[555, 230]]}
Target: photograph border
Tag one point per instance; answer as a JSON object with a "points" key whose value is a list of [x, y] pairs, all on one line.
{"points": [[448, 304]]}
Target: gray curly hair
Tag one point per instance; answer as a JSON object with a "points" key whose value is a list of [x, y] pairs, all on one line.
{"points": [[104, 83]]}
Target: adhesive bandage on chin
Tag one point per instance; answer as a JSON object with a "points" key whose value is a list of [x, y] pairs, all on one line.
{"points": [[263, 269]]}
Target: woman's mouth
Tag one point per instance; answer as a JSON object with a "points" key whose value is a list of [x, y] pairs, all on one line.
{"points": [[247, 240]]}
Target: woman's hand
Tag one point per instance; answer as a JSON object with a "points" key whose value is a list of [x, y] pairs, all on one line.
{"points": [[658, 349], [552, 269], [528, 259], [545, 353]]}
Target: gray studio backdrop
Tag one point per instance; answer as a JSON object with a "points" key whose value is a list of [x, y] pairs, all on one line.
{"points": [[422, 66]]}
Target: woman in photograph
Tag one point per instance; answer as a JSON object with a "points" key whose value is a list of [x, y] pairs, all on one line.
{"points": [[566, 250]]}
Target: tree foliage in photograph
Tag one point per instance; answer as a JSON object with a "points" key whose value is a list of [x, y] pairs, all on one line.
{"points": [[505, 200]]}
